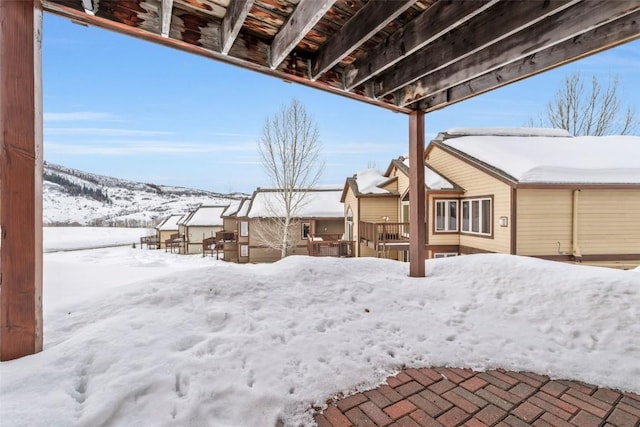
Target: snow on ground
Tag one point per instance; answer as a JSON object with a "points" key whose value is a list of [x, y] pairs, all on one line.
{"points": [[74, 238], [185, 340]]}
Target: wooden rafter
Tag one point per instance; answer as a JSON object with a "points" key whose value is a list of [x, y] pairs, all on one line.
{"points": [[431, 24], [304, 17], [487, 29], [565, 25], [613, 33], [237, 12], [167, 11], [368, 21]]}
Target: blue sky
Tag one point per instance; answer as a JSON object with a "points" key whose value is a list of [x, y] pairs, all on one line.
{"points": [[119, 106]]}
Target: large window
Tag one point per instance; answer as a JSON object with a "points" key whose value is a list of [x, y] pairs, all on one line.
{"points": [[476, 216], [244, 228], [349, 224], [446, 215]]}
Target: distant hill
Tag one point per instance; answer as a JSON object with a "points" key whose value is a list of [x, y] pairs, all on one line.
{"points": [[74, 197]]}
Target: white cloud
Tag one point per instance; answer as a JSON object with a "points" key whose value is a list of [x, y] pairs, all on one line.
{"points": [[92, 131], [77, 116], [134, 148]]}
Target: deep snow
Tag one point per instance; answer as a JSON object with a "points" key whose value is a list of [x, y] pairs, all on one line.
{"points": [[144, 337]]}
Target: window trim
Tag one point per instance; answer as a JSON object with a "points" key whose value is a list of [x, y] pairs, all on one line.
{"points": [[244, 248], [435, 216], [244, 233], [479, 199]]}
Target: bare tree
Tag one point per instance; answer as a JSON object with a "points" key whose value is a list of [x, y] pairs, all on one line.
{"points": [[290, 154], [594, 110]]}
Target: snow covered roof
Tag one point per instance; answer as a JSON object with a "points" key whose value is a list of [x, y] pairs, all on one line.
{"points": [[233, 207], [432, 179], [170, 223], [206, 216], [540, 158], [497, 131], [317, 203], [368, 181]]}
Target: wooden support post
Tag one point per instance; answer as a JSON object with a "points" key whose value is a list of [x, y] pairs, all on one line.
{"points": [[416, 194], [20, 178]]}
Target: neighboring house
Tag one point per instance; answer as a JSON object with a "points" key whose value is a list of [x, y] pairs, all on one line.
{"points": [[167, 229], [537, 192], [376, 208], [320, 217], [201, 224], [534, 192]]}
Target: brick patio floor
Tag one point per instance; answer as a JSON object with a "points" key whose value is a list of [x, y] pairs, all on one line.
{"points": [[461, 397]]}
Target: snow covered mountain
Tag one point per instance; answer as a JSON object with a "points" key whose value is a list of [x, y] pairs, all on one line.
{"points": [[74, 197]]}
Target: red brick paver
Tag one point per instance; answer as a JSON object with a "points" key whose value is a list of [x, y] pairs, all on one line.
{"points": [[451, 397]]}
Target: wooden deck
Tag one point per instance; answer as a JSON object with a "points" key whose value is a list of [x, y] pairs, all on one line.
{"points": [[382, 236], [152, 242], [330, 245]]}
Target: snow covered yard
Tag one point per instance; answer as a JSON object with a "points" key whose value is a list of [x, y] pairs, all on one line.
{"points": [[148, 338]]}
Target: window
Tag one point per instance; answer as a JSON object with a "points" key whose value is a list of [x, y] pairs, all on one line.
{"points": [[349, 224], [306, 230], [405, 219], [476, 216], [244, 250], [445, 254], [244, 228], [446, 215]]}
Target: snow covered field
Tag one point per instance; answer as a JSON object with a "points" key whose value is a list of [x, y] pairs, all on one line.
{"points": [[148, 338]]}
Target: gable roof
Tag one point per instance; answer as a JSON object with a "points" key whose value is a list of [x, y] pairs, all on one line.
{"points": [[432, 179], [169, 223], [367, 182], [549, 156], [234, 207], [206, 216], [322, 202]]}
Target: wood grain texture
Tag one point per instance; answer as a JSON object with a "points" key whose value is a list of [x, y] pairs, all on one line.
{"points": [[498, 23], [433, 23], [612, 34], [417, 218], [303, 18], [237, 12], [20, 178], [368, 21]]}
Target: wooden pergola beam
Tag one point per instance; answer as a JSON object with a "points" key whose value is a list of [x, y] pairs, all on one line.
{"points": [[614, 33], [503, 22], [569, 23], [417, 212], [303, 19], [369, 20], [237, 12], [427, 27], [20, 178], [165, 19]]}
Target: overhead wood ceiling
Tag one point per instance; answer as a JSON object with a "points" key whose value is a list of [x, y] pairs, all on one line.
{"points": [[403, 55]]}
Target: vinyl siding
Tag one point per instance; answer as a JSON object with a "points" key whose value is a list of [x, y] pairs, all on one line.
{"points": [[164, 235], [544, 219], [373, 209], [609, 221], [194, 236], [477, 183]]}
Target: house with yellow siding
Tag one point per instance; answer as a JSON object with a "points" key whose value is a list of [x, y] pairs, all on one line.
{"points": [[537, 192], [167, 228], [522, 191]]}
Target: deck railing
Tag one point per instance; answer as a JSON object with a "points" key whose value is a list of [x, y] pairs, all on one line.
{"points": [[383, 232], [332, 247], [175, 241], [150, 241]]}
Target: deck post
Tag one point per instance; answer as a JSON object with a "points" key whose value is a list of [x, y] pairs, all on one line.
{"points": [[416, 194], [20, 178]]}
